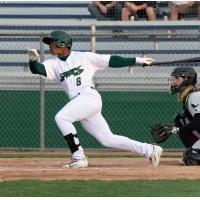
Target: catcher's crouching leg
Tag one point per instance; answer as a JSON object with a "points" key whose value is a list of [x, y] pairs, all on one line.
{"points": [[191, 157]]}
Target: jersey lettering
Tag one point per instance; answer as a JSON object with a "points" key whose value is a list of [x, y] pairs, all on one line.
{"points": [[75, 72]]}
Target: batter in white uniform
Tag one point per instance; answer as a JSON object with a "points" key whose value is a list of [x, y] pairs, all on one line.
{"points": [[74, 71]]}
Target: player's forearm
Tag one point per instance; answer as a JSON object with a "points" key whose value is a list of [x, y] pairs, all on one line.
{"points": [[37, 68], [118, 61]]}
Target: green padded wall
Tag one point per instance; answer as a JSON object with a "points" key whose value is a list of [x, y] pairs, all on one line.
{"points": [[128, 113]]}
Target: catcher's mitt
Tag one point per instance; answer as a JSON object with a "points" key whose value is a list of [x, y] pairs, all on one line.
{"points": [[161, 132]]}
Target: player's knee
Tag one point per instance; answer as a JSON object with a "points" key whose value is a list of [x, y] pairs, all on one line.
{"points": [[59, 118]]}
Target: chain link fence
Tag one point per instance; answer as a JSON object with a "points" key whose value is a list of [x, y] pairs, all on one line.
{"points": [[134, 98]]}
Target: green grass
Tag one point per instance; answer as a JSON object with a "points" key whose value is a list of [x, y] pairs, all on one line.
{"points": [[95, 188]]}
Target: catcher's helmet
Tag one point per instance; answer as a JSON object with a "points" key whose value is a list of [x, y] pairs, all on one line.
{"points": [[61, 37], [188, 73]]}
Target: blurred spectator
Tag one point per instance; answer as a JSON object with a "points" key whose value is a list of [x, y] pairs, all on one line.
{"points": [[106, 10], [139, 9], [163, 10], [178, 8]]}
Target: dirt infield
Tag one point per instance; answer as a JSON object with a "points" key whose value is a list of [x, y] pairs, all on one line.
{"points": [[99, 168]]}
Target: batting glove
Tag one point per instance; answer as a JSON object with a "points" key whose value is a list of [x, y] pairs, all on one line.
{"points": [[33, 54], [146, 61]]}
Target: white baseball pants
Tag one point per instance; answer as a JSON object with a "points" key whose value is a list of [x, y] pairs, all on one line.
{"points": [[86, 108]]}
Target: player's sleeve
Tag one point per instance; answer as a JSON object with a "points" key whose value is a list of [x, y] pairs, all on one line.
{"points": [[194, 109], [37, 68], [100, 61], [50, 69], [46, 69], [194, 103], [118, 61]]}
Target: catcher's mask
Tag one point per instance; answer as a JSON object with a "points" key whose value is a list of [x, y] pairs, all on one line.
{"points": [[189, 76], [61, 38]]}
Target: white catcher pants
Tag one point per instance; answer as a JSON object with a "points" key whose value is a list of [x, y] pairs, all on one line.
{"points": [[86, 108]]}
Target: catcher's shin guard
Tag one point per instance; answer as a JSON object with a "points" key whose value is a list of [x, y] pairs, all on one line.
{"points": [[191, 156]]}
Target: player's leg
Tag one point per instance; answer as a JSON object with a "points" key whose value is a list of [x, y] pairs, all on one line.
{"points": [[81, 107], [98, 128], [191, 156]]}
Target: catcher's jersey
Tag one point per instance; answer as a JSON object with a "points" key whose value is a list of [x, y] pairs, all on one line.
{"points": [[193, 103], [77, 71]]}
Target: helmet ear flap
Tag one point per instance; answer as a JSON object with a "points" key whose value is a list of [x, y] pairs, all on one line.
{"points": [[61, 44]]}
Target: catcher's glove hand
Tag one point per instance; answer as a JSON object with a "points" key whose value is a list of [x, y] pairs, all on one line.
{"points": [[161, 132]]}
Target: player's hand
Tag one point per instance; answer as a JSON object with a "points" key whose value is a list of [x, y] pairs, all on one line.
{"points": [[32, 54], [145, 61]]}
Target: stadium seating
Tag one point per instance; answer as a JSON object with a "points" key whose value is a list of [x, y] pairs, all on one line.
{"points": [[23, 24], [44, 10]]}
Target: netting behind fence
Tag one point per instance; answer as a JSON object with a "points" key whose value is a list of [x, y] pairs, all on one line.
{"points": [[133, 99], [128, 113]]}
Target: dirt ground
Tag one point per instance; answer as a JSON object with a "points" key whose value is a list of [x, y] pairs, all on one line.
{"points": [[99, 169]]}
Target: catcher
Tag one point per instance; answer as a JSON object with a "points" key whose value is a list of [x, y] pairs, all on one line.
{"points": [[187, 124]]}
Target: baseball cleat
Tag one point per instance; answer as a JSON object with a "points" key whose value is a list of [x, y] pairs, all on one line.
{"points": [[76, 163], [155, 157]]}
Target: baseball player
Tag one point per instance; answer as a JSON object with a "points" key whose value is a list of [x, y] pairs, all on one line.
{"points": [[74, 71], [187, 124]]}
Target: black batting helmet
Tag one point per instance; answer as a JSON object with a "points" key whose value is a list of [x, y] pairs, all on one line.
{"points": [[188, 73]]}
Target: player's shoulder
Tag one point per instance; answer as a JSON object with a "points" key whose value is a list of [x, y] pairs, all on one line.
{"points": [[51, 60], [82, 55], [75, 53], [194, 96], [194, 103]]}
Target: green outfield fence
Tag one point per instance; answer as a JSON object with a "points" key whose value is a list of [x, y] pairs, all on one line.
{"points": [[128, 113], [134, 98]]}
